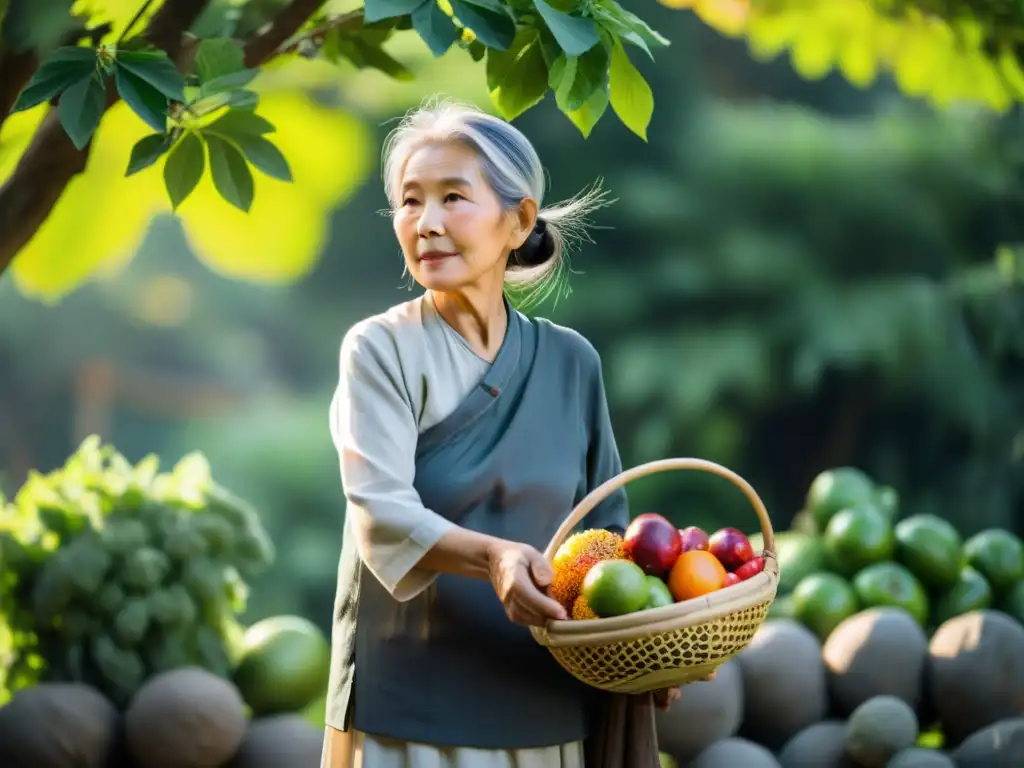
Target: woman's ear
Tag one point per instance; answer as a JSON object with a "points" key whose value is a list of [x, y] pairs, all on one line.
{"points": [[525, 219]]}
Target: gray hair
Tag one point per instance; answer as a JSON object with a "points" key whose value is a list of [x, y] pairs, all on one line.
{"points": [[513, 170]]}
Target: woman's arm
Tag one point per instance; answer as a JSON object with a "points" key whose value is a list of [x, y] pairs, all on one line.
{"points": [[404, 544]]}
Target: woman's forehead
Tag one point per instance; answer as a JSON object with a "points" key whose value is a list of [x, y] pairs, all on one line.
{"points": [[442, 163]]}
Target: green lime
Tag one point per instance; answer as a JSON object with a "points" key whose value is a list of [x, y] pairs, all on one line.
{"points": [[657, 593], [804, 522], [998, 555], [798, 555], [783, 607], [888, 501], [284, 666], [615, 587], [836, 489], [932, 550], [858, 537], [1013, 602], [970, 592], [821, 601], [891, 584]]}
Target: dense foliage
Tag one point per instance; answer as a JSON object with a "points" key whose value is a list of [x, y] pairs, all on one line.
{"points": [[946, 52], [205, 119], [114, 572]]}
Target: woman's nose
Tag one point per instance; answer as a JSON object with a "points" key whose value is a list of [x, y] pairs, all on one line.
{"points": [[431, 221]]}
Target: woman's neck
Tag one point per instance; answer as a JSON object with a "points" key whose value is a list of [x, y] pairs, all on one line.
{"points": [[479, 317]]}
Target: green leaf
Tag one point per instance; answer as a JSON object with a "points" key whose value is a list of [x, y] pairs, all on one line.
{"points": [[435, 27], [147, 151], [628, 26], [264, 155], [575, 35], [58, 71], [81, 107], [630, 95], [217, 57], [228, 82], [378, 58], [375, 10], [587, 116], [184, 168], [145, 100], [517, 78], [575, 78], [231, 174], [156, 69], [246, 100], [236, 122], [489, 21]]}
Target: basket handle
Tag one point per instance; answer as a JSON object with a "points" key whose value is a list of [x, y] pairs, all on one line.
{"points": [[606, 488]]}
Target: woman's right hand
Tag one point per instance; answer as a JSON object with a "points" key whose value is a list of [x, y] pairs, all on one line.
{"points": [[520, 575]]}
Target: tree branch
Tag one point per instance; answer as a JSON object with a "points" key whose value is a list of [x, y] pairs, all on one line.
{"points": [[51, 161], [264, 44]]}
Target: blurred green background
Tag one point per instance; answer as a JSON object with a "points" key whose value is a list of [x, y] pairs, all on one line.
{"points": [[797, 274]]}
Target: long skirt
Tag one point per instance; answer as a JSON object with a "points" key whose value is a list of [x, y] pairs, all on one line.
{"points": [[354, 749]]}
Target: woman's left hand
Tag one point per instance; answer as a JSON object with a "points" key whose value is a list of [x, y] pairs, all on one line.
{"points": [[664, 698]]}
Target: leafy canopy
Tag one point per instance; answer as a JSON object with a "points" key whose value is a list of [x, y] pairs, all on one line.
{"points": [[205, 119], [945, 52]]}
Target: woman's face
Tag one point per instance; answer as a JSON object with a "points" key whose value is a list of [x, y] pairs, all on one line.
{"points": [[450, 223]]}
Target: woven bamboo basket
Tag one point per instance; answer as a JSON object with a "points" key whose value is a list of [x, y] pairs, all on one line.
{"points": [[673, 645]]}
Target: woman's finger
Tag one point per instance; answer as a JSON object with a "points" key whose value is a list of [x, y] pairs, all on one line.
{"points": [[536, 601]]}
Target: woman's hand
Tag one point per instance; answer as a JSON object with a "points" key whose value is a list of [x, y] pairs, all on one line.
{"points": [[666, 697], [520, 575]]}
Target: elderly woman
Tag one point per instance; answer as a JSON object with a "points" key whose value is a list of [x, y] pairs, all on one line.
{"points": [[466, 433]]}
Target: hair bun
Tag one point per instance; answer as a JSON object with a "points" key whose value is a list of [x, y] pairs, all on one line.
{"points": [[538, 248]]}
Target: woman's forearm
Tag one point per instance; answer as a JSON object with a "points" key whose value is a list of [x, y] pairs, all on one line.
{"points": [[461, 552]]}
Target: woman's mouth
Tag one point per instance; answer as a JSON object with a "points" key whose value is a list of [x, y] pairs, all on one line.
{"points": [[434, 256]]}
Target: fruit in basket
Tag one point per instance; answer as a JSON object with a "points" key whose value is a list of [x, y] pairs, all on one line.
{"points": [[694, 574], [750, 568], [658, 594], [693, 537], [615, 587], [652, 542], [931, 548], [731, 546], [858, 537], [732, 578], [574, 559], [998, 555], [581, 610]]}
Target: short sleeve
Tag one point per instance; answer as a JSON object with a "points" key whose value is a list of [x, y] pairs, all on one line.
{"points": [[375, 434], [603, 461]]}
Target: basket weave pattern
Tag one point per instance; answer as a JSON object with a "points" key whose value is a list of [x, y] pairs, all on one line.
{"points": [[702, 647], [672, 645]]}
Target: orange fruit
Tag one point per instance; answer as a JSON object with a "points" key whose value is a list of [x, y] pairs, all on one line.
{"points": [[695, 573]]}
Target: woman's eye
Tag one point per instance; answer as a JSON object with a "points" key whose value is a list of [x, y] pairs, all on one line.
{"points": [[409, 201], [451, 197]]}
